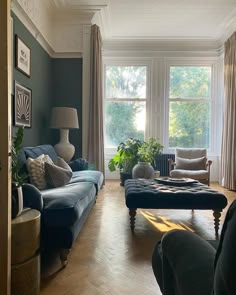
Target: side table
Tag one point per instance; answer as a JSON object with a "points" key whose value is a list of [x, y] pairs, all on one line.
{"points": [[25, 256]]}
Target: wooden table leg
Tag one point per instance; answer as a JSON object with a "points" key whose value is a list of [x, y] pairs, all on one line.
{"points": [[132, 213], [217, 214]]}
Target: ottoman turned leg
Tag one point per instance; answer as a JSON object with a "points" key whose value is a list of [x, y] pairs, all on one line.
{"points": [[217, 214], [132, 213]]}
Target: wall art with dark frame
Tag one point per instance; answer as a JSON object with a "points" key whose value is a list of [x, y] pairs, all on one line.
{"points": [[23, 56], [22, 106]]}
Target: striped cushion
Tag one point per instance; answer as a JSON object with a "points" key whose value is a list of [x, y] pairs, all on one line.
{"points": [[36, 170]]}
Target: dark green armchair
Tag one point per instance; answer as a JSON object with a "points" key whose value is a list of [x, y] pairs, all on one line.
{"points": [[185, 264]]}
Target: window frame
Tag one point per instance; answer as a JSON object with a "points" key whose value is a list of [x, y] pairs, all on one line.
{"points": [[213, 149], [131, 62]]}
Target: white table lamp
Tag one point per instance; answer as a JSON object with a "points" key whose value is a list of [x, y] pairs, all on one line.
{"points": [[64, 118]]}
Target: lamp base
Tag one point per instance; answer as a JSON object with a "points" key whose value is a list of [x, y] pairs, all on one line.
{"points": [[64, 148]]}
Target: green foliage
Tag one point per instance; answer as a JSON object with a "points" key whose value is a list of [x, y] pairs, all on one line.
{"points": [[126, 82], [189, 121], [17, 178], [133, 150], [120, 122], [126, 156], [149, 150]]}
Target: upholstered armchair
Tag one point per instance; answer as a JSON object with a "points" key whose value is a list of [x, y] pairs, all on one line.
{"points": [[191, 163], [184, 263]]}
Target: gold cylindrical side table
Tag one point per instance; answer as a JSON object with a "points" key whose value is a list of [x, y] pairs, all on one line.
{"points": [[25, 257]]}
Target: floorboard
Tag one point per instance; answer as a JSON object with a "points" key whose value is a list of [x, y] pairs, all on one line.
{"points": [[108, 259]]}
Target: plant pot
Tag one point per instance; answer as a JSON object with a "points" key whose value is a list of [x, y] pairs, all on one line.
{"points": [[17, 201], [143, 170], [124, 176]]}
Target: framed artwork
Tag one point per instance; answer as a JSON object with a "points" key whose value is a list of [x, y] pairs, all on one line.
{"points": [[22, 106], [23, 56]]}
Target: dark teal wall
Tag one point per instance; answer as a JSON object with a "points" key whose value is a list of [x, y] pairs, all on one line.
{"points": [[54, 82], [67, 92], [40, 82]]}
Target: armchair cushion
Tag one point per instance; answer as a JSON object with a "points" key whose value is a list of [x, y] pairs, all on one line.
{"points": [[195, 174], [191, 164], [190, 153]]}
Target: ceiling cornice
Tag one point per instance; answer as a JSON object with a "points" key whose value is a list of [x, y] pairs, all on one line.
{"points": [[29, 24], [162, 45]]}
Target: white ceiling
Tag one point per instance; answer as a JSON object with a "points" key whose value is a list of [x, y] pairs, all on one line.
{"points": [[158, 19]]}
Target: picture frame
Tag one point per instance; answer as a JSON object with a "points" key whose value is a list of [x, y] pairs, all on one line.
{"points": [[23, 57], [22, 106]]}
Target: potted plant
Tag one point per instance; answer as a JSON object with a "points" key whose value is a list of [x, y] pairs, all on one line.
{"points": [[17, 178], [147, 154], [125, 158], [149, 151]]}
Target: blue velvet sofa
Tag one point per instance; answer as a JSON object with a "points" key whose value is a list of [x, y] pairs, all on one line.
{"points": [[63, 209]]}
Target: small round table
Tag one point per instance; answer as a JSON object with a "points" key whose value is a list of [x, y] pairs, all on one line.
{"points": [[25, 256]]}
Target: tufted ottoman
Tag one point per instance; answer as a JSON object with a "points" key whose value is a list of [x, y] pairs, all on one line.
{"points": [[149, 194]]}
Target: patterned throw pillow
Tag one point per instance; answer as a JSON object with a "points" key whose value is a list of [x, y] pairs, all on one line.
{"points": [[62, 163], [36, 170], [57, 176]]}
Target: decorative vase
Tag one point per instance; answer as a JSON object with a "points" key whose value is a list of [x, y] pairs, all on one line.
{"points": [[143, 170], [17, 201]]}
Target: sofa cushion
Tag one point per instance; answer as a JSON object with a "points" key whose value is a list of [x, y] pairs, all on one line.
{"points": [[34, 152], [96, 177], [191, 164], [65, 205], [36, 170], [57, 176], [62, 163]]}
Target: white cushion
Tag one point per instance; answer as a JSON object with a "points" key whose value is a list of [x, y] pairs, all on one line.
{"points": [[190, 153], [195, 174], [191, 164], [36, 170]]}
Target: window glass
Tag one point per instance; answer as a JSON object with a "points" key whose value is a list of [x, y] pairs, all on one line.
{"points": [[123, 120], [189, 106], [190, 82], [125, 82], [189, 124]]}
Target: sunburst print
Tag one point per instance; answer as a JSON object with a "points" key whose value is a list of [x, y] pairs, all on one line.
{"points": [[22, 106]]}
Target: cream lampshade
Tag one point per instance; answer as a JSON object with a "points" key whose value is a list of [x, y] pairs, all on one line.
{"points": [[64, 118]]}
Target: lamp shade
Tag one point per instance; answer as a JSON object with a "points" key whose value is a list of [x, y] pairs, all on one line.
{"points": [[64, 118]]}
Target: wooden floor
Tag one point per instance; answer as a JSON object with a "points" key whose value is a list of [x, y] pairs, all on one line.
{"points": [[108, 259]]}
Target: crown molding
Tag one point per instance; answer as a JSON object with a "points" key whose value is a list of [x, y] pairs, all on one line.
{"points": [[67, 55], [177, 45], [103, 20], [27, 22], [229, 29], [31, 27]]}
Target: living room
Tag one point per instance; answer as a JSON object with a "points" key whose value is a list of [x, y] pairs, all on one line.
{"points": [[58, 36]]}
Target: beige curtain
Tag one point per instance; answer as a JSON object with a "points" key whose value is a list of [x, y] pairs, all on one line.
{"points": [[95, 138], [228, 149]]}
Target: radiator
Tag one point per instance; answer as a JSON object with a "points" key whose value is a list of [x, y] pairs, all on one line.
{"points": [[162, 163]]}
